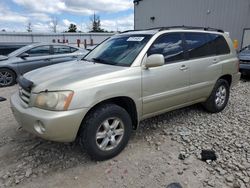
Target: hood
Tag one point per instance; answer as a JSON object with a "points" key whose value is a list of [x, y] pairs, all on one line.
{"points": [[68, 75], [2, 57]]}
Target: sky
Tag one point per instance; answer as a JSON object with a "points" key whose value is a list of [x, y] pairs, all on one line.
{"points": [[16, 14]]}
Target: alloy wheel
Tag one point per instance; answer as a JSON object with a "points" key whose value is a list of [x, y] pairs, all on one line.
{"points": [[109, 134]]}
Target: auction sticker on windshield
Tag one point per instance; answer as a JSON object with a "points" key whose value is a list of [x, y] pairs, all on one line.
{"points": [[137, 39]]}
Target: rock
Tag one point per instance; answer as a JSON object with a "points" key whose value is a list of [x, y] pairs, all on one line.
{"points": [[180, 172], [236, 184], [107, 171], [182, 156], [28, 173], [221, 171], [230, 178], [211, 183], [17, 180], [158, 144], [246, 179], [6, 176]]}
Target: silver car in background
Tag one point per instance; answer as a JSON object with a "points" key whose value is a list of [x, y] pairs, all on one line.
{"points": [[35, 56], [244, 57]]}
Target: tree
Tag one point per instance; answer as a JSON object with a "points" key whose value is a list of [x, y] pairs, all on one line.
{"points": [[29, 27], [72, 28], [53, 24], [96, 24], [3, 30]]}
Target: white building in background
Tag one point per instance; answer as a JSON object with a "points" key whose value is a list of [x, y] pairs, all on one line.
{"points": [[232, 16], [20, 38]]}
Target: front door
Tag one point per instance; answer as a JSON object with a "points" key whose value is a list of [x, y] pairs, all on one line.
{"points": [[38, 57], [166, 87]]}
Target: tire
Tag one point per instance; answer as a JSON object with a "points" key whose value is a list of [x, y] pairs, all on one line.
{"points": [[218, 99], [96, 134], [7, 77]]}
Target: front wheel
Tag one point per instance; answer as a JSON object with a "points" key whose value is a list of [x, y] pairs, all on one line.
{"points": [[219, 97], [105, 131]]}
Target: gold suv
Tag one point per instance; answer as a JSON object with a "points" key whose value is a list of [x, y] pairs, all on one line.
{"points": [[127, 78]]}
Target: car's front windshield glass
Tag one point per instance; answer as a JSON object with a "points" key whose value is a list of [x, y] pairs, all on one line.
{"points": [[119, 50], [19, 51], [246, 49]]}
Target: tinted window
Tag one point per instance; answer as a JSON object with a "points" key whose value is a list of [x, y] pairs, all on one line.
{"points": [[170, 46], [197, 45], [61, 49], [218, 44], [39, 51]]}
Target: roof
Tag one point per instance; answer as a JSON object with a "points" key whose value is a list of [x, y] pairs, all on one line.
{"points": [[158, 29]]}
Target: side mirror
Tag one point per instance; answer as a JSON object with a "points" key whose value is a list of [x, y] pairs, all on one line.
{"points": [[24, 55], [155, 60]]}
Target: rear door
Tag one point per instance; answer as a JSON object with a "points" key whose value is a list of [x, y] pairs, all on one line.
{"points": [[166, 87], [204, 52], [38, 57], [63, 54]]}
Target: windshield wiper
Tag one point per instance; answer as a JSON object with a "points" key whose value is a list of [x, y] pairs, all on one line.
{"points": [[99, 60]]}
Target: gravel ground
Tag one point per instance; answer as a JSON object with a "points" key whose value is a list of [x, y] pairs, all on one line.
{"points": [[151, 158]]}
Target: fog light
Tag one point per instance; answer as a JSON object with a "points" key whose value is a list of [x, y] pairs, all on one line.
{"points": [[39, 127]]}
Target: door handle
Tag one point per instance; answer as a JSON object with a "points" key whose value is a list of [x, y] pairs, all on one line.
{"points": [[183, 68]]}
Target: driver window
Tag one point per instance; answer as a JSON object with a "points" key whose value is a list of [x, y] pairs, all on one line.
{"points": [[39, 51], [170, 46]]}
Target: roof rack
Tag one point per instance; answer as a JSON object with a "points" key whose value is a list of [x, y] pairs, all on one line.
{"points": [[180, 27], [158, 28]]}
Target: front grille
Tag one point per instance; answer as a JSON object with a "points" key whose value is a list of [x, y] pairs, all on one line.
{"points": [[24, 95], [24, 89]]}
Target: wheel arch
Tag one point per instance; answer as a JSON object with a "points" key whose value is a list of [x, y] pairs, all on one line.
{"points": [[125, 102], [228, 78]]}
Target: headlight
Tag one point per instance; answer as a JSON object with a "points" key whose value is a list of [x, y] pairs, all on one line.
{"points": [[56, 101]]}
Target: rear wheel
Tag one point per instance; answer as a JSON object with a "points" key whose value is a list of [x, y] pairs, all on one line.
{"points": [[219, 97], [105, 131], [7, 77]]}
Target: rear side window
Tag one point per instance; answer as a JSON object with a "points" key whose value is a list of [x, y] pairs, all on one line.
{"points": [[170, 46], [61, 49], [218, 45], [197, 45]]}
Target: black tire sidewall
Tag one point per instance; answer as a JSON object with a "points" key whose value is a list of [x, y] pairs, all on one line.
{"points": [[12, 74], [93, 122], [210, 104]]}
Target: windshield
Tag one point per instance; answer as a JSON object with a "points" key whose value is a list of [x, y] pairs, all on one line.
{"points": [[20, 50], [119, 50], [246, 49]]}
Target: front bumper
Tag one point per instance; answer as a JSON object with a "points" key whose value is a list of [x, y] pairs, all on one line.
{"points": [[245, 67], [59, 126]]}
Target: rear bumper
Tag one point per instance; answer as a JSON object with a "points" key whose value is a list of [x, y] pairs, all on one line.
{"points": [[59, 126]]}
